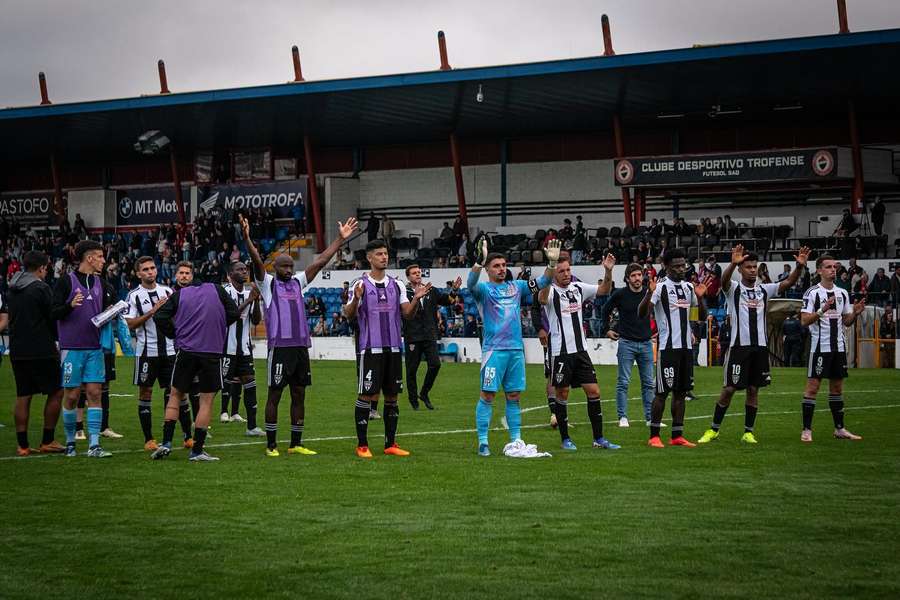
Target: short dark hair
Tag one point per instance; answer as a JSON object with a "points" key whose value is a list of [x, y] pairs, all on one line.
{"points": [[375, 245], [411, 267], [563, 259], [631, 268], [233, 264], [822, 259], [141, 260], [85, 246], [34, 260], [752, 256], [671, 254], [492, 256], [185, 263]]}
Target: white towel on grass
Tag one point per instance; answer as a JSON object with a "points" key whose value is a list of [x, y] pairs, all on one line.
{"points": [[519, 449]]}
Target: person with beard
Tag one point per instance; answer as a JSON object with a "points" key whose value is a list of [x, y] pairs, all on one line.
{"points": [[154, 352], [380, 301], [287, 333]]}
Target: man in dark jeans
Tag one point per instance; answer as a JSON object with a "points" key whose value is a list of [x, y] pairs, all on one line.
{"points": [[421, 334]]}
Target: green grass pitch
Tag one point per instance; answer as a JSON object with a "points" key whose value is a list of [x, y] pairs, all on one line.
{"points": [[781, 519]]}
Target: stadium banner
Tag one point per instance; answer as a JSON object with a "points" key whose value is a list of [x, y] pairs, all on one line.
{"points": [[35, 208], [280, 196], [151, 206], [801, 164]]}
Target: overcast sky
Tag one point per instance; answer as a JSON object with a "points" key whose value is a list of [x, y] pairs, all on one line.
{"points": [[102, 49]]}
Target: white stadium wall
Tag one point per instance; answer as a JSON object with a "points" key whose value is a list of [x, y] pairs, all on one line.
{"points": [[561, 189]]}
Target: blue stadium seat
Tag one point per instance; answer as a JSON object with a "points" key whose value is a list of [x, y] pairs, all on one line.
{"points": [[451, 349]]}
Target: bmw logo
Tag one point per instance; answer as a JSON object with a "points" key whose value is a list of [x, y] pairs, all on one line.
{"points": [[126, 207]]}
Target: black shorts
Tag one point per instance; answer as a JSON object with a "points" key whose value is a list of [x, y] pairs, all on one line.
{"points": [[827, 365], [39, 376], [380, 372], [207, 370], [675, 371], [573, 370], [153, 369], [234, 367], [288, 366], [747, 367], [109, 360]]}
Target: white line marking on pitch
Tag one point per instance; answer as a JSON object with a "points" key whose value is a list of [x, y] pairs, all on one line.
{"points": [[454, 431]]}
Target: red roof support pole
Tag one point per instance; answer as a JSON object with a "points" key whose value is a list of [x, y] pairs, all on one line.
{"points": [[620, 152], [607, 37], [442, 48], [460, 189], [298, 72], [58, 206], [857, 199], [42, 82], [179, 202], [843, 26], [163, 80], [313, 193], [638, 206]]}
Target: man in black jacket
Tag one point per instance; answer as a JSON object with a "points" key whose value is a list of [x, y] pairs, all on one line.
{"points": [[421, 335], [32, 349]]}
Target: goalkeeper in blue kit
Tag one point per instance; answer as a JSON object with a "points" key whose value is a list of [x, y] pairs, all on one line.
{"points": [[502, 351]]}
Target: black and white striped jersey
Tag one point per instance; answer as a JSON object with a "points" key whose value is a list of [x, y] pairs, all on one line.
{"points": [[150, 343], [827, 334], [563, 312], [747, 309], [672, 302], [237, 339]]}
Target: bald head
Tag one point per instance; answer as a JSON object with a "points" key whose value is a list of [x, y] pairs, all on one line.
{"points": [[284, 267]]}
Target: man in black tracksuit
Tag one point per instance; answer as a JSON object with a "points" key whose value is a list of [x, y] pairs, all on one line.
{"points": [[421, 335]]}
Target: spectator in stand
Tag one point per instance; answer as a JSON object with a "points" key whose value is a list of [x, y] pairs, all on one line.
{"points": [[880, 288], [843, 281], [719, 228], [446, 233], [345, 293], [622, 251], [566, 232], [321, 328], [855, 270], [388, 230], [579, 226], [861, 288], [895, 286], [80, 229], [656, 229], [579, 245], [471, 330], [785, 273], [710, 275], [878, 210], [763, 273], [460, 233], [680, 227], [372, 227], [551, 235], [847, 225]]}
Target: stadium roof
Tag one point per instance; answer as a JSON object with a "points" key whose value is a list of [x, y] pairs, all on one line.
{"points": [[575, 95]]}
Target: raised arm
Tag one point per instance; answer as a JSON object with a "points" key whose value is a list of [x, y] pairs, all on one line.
{"points": [[351, 307], [259, 269], [552, 254], [801, 257], [849, 318], [345, 230], [737, 257], [606, 283], [644, 306], [409, 308]]}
